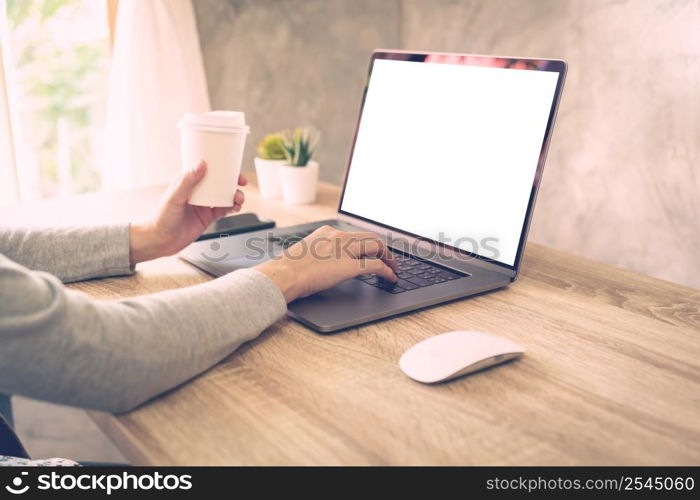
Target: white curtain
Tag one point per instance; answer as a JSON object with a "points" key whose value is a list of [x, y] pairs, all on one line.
{"points": [[157, 74]]}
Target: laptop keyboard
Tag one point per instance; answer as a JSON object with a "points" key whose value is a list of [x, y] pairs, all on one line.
{"points": [[412, 274]]}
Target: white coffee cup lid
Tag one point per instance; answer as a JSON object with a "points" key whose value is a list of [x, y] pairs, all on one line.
{"points": [[216, 119]]}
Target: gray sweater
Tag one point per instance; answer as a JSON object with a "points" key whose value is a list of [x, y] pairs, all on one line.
{"points": [[62, 346]]}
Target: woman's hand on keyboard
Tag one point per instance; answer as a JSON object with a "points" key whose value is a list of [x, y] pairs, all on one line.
{"points": [[325, 258]]}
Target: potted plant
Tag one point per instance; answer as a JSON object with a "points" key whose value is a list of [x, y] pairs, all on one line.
{"points": [[299, 174], [270, 158]]}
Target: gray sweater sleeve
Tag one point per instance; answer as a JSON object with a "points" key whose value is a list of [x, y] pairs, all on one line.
{"points": [[60, 345], [71, 253]]}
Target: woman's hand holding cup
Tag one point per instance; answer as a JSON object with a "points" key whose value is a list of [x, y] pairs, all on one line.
{"points": [[176, 223]]}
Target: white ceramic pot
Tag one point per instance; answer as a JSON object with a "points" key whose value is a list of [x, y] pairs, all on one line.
{"points": [[299, 183], [269, 182]]}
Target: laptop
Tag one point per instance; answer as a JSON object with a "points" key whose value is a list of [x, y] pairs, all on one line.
{"points": [[445, 166]]}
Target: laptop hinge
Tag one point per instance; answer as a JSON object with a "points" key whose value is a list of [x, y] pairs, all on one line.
{"points": [[427, 250]]}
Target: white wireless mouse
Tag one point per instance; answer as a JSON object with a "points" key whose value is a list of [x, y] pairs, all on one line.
{"points": [[453, 354]]}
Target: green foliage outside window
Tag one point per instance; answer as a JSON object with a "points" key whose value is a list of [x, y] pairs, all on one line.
{"points": [[61, 63]]}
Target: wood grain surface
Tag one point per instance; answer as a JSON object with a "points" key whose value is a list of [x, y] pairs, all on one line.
{"points": [[611, 373]]}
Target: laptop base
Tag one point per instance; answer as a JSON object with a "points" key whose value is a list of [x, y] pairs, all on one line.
{"points": [[350, 303]]}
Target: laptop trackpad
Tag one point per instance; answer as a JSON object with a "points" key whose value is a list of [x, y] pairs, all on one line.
{"points": [[346, 304]]}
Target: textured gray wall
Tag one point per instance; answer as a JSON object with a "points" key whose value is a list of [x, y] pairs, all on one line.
{"points": [[294, 62], [621, 183]]}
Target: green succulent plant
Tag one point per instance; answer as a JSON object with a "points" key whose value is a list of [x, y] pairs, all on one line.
{"points": [[299, 145], [271, 147]]}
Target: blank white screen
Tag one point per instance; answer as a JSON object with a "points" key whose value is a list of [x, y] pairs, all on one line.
{"points": [[449, 151]]}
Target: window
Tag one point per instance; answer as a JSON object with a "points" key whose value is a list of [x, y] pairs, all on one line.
{"points": [[57, 71]]}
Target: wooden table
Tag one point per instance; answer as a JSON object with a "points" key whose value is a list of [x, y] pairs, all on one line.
{"points": [[611, 374]]}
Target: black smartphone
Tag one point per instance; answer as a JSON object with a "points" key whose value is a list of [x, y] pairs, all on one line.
{"points": [[235, 224]]}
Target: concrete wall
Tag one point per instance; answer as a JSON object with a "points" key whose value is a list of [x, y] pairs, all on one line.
{"points": [[622, 182], [295, 62]]}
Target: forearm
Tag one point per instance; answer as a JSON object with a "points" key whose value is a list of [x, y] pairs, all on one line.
{"points": [[113, 356], [71, 253], [146, 242]]}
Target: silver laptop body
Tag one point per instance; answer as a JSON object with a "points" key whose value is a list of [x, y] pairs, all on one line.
{"points": [[433, 269]]}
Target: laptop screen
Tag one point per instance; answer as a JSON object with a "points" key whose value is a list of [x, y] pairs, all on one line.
{"points": [[447, 148]]}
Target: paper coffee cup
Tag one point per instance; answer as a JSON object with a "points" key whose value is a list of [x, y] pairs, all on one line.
{"points": [[218, 138]]}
